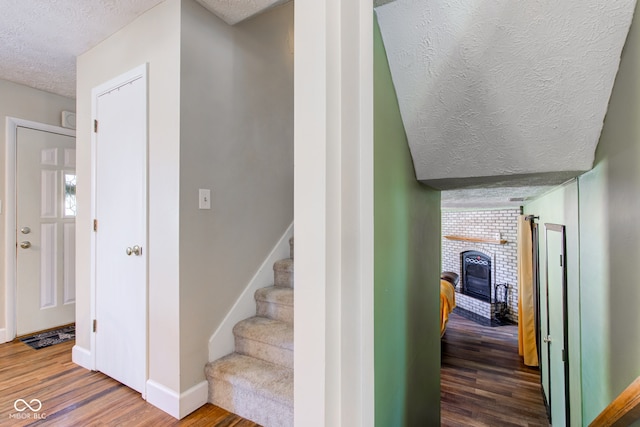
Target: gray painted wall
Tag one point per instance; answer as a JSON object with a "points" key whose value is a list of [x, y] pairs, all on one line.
{"points": [[220, 117], [236, 138]]}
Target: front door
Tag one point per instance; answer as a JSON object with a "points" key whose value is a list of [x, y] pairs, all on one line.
{"points": [[120, 144], [45, 220]]}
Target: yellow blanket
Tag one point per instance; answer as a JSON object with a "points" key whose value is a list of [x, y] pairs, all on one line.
{"points": [[447, 303]]}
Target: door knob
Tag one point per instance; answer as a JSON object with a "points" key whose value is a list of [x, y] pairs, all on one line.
{"points": [[136, 250], [25, 230], [25, 244]]}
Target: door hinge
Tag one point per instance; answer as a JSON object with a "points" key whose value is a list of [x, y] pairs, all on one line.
{"points": [[561, 260], [95, 225], [95, 126], [95, 325]]}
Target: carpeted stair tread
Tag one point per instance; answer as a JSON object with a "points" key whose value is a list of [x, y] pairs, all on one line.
{"points": [[267, 331], [275, 295], [266, 379]]}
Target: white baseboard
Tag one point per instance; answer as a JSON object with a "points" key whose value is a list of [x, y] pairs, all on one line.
{"points": [[221, 342], [163, 398], [3, 335], [194, 398], [81, 356], [178, 406]]}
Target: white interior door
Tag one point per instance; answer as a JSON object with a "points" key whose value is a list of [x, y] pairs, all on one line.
{"points": [[121, 255], [545, 333], [45, 219], [556, 342]]}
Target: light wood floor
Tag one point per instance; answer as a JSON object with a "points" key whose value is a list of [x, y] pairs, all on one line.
{"points": [[484, 382], [74, 396]]}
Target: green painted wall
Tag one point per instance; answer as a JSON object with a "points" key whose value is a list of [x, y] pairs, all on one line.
{"points": [[560, 206], [609, 246], [610, 243], [407, 270]]}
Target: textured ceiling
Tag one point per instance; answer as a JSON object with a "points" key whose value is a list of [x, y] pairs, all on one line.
{"points": [[234, 11], [500, 192], [503, 88], [488, 197], [39, 40]]}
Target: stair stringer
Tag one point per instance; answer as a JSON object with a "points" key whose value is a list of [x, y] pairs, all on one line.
{"points": [[222, 341]]}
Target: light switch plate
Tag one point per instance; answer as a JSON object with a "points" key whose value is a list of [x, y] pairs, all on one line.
{"points": [[204, 198]]}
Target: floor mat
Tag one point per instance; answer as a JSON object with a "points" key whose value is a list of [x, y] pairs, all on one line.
{"points": [[49, 338]]}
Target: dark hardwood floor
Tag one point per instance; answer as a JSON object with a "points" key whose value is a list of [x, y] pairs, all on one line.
{"points": [[483, 380], [74, 396]]}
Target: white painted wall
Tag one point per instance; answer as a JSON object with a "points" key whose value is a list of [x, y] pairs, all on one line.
{"points": [[29, 104], [153, 38], [334, 213], [236, 138]]}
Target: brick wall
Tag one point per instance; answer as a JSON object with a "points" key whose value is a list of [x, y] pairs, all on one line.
{"points": [[486, 224]]}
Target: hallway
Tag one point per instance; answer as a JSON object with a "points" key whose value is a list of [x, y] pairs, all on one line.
{"points": [[483, 381]]}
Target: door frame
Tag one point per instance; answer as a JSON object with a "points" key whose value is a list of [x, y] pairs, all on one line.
{"points": [[140, 72], [565, 316], [10, 255]]}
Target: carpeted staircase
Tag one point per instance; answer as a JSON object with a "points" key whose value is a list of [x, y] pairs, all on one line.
{"points": [[256, 382]]}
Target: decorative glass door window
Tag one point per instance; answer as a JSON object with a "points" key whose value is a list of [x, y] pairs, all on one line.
{"points": [[69, 195]]}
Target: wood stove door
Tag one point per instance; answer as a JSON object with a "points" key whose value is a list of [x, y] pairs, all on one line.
{"points": [[555, 360]]}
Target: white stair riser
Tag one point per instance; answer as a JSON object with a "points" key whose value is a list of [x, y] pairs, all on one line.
{"points": [[267, 352], [250, 404], [283, 313]]}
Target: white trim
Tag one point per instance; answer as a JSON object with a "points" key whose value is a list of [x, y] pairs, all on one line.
{"points": [[163, 398], [174, 404], [221, 342], [12, 125], [3, 336], [364, 413], [81, 356], [333, 211], [139, 72], [194, 398]]}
